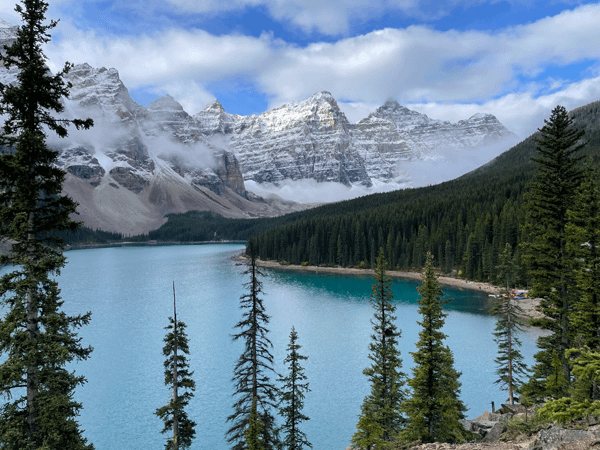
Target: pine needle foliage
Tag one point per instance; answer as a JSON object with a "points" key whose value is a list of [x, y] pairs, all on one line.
{"points": [[583, 241], [291, 397], [434, 411], [255, 364], [37, 339], [551, 194], [381, 419], [179, 379], [255, 429], [585, 399]]}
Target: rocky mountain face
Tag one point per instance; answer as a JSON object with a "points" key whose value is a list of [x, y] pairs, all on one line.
{"points": [[393, 134], [313, 139], [139, 163], [308, 139]]}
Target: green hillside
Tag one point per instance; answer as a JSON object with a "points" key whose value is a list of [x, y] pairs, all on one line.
{"points": [[463, 223]]}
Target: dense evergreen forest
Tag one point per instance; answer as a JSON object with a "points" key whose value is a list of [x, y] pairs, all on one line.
{"points": [[465, 223]]}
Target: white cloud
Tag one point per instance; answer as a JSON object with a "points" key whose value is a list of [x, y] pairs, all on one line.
{"points": [[310, 191], [447, 74], [334, 17], [522, 113]]}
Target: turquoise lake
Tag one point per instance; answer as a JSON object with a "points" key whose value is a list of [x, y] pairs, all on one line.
{"points": [[129, 292]]}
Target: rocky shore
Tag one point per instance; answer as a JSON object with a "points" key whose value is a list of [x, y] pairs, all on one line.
{"points": [[528, 305], [492, 432]]}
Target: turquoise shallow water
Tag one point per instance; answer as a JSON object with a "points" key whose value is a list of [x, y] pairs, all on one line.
{"points": [[129, 291]]}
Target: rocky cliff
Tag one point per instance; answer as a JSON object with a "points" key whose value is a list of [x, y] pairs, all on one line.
{"points": [[313, 139], [139, 163]]}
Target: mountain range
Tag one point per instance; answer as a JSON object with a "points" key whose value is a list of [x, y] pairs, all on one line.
{"points": [[139, 163]]}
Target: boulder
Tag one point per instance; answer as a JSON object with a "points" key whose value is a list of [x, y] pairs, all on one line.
{"points": [[493, 433], [562, 438]]}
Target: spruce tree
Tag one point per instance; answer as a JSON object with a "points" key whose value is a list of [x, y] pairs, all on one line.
{"points": [[177, 377], [37, 339], [434, 411], [291, 397], [381, 419], [585, 399], [255, 364], [510, 366], [550, 262]]}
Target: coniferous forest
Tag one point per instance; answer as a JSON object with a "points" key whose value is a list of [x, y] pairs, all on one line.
{"points": [[464, 223], [531, 215]]}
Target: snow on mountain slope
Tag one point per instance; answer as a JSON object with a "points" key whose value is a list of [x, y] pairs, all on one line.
{"points": [[138, 164], [308, 139]]}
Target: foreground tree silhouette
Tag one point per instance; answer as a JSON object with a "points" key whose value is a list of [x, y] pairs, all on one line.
{"points": [[434, 411], [380, 419], [251, 372], [37, 339], [177, 377], [254, 431], [551, 194], [291, 396]]}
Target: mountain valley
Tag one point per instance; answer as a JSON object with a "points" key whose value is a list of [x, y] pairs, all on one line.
{"points": [[139, 163]]}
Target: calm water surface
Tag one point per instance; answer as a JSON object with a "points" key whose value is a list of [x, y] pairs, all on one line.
{"points": [[129, 291]]}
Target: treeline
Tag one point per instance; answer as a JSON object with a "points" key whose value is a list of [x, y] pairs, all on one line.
{"points": [[85, 235], [464, 223]]}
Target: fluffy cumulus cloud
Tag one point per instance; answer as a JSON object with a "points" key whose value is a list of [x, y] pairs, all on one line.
{"points": [[446, 74]]}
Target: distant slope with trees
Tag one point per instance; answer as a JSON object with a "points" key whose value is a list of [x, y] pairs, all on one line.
{"points": [[465, 223]]}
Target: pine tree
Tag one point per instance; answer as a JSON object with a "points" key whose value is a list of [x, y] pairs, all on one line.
{"points": [[585, 400], [251, 372], [291, 397], [550, 263], [510, 360], [37, 339], [178, 377], [434, 411], [380, 419]]}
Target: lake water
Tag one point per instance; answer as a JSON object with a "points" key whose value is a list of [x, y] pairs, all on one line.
{"points": [[129, 291]]}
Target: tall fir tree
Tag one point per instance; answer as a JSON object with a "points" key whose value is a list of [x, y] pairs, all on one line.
{"points": [[550, 195], [37, 339], [255, 364], [291, 397], [510, 365], [179, 378], [381, 419], [434, 411]]}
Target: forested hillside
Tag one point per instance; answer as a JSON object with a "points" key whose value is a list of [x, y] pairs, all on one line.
{"points": [[464, 223]]}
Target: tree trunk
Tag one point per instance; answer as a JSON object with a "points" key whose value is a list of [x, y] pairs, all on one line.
{"points": [[32, 331]]}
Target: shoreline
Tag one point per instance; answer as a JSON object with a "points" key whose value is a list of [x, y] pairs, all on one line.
{"points": [[446, 281], [69, 247], [529, 305]]}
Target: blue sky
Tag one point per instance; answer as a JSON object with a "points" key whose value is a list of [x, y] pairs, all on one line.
{"points": [[449, 59]]}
